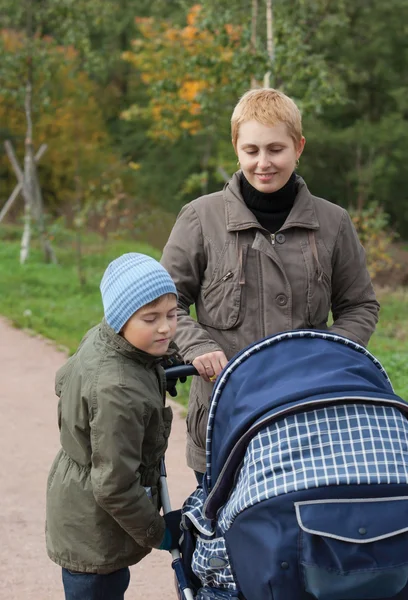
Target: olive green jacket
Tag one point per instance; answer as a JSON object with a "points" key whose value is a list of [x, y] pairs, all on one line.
{"points": [[102, 493], [247, 284]]}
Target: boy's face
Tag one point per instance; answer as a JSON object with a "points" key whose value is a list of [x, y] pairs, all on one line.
{"points": [[152, 327]]}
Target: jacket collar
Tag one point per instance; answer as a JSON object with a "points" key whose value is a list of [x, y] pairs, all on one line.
{"points": [[239, 217], [118, 343]]}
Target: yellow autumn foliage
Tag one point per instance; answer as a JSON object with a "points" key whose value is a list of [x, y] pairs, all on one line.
{"points": [[193, 14], [176, 63], [189, 90]]}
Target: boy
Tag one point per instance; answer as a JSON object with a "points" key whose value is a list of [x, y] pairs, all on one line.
{"points": [[102, 492]]}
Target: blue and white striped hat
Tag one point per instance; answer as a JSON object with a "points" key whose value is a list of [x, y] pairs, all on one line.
{"points": [[130, 282]]}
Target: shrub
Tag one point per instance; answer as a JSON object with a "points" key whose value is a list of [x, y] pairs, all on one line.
{"points": [[372, 225]]}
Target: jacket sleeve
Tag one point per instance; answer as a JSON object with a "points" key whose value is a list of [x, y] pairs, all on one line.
{"points": [[354, 305], [184, 258], [117, 421]]}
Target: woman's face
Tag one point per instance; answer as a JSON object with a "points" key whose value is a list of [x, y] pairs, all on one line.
{"points": [[267, 154]]}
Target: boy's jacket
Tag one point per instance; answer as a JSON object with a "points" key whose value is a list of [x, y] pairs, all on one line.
{"points": [[114, 428]]}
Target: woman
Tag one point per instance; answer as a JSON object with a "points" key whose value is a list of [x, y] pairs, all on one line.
{"points": [[262, 256]]}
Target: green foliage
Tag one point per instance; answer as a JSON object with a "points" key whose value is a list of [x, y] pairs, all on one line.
{"points": [[360, 164], [303, 34], [79, 173], [356, 150], [344, 63], [72, 126], [372, 227], [352, 94]]}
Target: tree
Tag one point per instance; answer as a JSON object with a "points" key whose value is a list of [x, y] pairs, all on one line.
{"points": [[32, 56], [28, 178], [195, 73], [189, 77], [356, 149]]}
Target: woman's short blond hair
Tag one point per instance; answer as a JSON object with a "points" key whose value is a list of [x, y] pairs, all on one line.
{"points": [[269, 107]]}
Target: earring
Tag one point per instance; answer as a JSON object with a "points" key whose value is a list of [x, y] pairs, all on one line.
{"points": [[238, 163], [297, 163]]}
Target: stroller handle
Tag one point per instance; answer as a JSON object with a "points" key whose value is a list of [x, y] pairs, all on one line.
{"points": [[181, 371], [185, 591]]}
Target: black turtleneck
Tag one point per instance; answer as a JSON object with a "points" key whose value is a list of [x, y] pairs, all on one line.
{"points": [[271, 210]]}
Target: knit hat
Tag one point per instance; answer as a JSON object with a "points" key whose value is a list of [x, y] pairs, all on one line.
{"points": [[130, 282]]}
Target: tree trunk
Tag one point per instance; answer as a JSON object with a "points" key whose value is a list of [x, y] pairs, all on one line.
{"points": [[254, 23], [26, 237], [360, 182], [269, 41], [31, 177], [31, 183], [204, 163], [78, 217]]}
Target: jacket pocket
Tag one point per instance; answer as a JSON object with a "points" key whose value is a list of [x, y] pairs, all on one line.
{"points": [[353, 549], [220, 297], [319, 300], [222, 302]]}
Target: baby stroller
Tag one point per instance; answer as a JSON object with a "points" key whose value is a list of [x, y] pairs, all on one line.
{"points": [[306, 489]]}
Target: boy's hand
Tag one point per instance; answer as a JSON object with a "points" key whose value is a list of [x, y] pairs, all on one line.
{"points": [[171, 385], [173, 361], [172, 533]]}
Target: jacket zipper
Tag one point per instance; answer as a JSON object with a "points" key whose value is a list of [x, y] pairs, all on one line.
{"points": [[261, 302], [216, 283]]}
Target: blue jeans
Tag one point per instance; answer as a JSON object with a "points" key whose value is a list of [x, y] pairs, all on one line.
{"points": [[92, 586]]}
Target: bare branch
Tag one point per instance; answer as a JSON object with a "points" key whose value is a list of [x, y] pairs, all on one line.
{"points": [[18, 187], [10, 201], [14, 163], [223, 173]]}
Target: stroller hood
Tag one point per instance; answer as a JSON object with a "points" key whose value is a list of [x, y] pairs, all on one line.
{"points": [[279, 375]]}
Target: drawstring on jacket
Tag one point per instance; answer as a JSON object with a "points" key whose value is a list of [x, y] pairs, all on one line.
{"points": [[312, 242], [241, 260]]}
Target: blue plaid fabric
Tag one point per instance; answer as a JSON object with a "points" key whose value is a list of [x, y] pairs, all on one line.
{"points": [[207, 555], [353, 444], [350, 444], [257, 347], [210, 560]]}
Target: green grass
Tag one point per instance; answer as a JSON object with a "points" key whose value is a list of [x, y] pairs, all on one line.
{"points": [[49, 299], [390, 341]]}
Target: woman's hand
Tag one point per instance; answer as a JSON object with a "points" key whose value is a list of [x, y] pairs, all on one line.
{"points": [[210, 365]]}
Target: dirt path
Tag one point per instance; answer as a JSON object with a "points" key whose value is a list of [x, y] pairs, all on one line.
{"points": [[28, 444]]}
